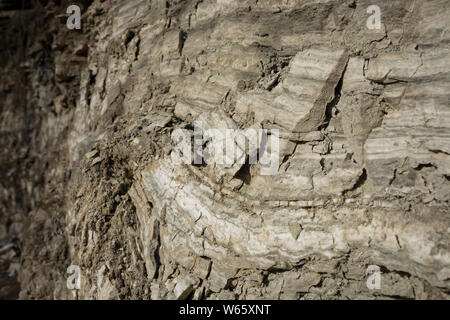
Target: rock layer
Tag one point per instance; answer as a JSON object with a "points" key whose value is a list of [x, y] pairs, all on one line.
{"points": [[363, 174]]}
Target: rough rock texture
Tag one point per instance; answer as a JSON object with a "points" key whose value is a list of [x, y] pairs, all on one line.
{"points": [[89, 177]]}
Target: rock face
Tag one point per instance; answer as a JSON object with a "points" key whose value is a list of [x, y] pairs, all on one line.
{"points": [[90, 175]]}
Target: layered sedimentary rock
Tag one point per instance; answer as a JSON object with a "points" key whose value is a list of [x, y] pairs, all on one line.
{"points": [[362, 174]]}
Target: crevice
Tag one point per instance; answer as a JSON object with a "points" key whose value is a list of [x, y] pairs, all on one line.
{"points": [[244, 173], [437, 151], [182, 39], [130, 35], [425, 165], [361, 180], [335, 101]]}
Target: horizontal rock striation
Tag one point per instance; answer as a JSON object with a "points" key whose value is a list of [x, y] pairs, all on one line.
{"points": [[363, 162]]}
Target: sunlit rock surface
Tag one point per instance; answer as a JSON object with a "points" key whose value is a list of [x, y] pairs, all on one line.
{"points": [[363, 170]]}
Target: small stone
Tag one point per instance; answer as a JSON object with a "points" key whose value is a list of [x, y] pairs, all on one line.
{"points": [[91, 154], [295, 229], [96, 160]]}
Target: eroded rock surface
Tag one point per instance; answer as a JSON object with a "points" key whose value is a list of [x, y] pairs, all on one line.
{"points": [[364, 155]]}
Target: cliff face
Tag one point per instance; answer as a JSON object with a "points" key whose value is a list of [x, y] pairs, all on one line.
{"points": [[90, 176]]}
